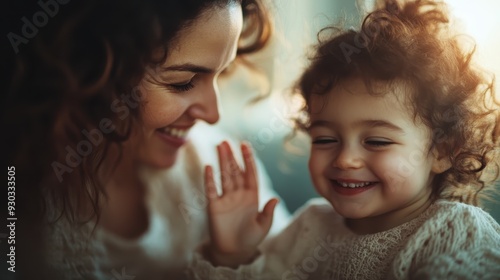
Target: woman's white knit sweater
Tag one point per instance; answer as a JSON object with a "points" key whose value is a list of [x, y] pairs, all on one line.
{"points": [[450, 240], [177, 223]]}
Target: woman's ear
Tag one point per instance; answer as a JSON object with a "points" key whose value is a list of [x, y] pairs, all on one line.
{"points": [[440, 162]]}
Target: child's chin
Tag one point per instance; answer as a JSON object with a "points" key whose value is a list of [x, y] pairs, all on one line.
{"points": [[352, 216], [348, 213]]}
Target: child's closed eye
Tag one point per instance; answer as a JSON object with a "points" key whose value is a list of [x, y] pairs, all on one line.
{"points": [[324, 141], [378, 142]]}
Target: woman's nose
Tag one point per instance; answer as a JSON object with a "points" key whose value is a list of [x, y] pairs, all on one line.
{"points": [[206, 105], [348, 158]]}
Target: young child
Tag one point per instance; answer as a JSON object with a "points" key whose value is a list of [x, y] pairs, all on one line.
{"points": [[403, 128]]}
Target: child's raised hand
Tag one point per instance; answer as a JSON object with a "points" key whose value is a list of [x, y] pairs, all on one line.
{"points": [[236, 225]]}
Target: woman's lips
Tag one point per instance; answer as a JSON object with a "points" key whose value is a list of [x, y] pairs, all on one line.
{"points": [[351, 187], [174, 136]]}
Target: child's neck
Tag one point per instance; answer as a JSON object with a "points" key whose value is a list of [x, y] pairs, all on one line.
{"points": [[388, 220]]}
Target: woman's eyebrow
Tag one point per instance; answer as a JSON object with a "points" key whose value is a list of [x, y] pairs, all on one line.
{"points": [[188, 67]]}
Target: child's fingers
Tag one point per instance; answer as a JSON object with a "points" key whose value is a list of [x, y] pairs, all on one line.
{"points": [[265, 218], [231, 172], [250, 174], [226, 181], [210, 188], [234, 169]]}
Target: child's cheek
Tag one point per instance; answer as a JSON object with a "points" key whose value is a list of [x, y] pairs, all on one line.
{"points": [[397, 171], [316, 166]]}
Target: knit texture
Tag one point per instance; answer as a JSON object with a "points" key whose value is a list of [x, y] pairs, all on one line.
{"points": [[177, 223], [82, 253], [449, 240]]}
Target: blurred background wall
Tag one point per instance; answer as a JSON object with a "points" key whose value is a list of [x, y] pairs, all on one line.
{"points": [[266, 124]]}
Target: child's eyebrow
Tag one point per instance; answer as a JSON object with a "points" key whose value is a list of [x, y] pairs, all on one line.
{"points": [[369, 123], [382, 123], [320, 123]]}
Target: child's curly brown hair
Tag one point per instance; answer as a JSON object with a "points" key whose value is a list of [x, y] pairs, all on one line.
{"points": [[413, 43]]}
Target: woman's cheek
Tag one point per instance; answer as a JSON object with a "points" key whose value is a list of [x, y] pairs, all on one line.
{"points": [[161, 113]]}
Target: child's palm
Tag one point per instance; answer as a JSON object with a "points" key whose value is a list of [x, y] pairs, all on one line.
{"points": [[236, 226]]}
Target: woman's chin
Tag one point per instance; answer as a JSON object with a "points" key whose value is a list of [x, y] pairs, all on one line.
{"points": [[161, 163], [166, 164]]}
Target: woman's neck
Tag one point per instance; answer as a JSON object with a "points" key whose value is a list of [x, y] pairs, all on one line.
{"points": [[123, 172], [123, 211]]}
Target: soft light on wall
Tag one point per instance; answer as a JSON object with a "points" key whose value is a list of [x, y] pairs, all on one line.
{"points": [[480, 20]]}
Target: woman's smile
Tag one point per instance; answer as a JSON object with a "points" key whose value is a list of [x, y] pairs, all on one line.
{"points": [[175, 136]]}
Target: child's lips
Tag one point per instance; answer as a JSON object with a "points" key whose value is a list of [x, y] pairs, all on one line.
{"points": [[353, 183], [351, 187]]}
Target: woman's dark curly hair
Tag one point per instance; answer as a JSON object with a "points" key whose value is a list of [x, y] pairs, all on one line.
{"points": [[413, 43], [64, 79]]}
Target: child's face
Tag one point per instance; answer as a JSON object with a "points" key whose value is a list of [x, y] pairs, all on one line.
{"points": [[368, 156]]}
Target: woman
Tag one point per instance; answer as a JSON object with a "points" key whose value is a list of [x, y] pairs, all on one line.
{"points": [[102, 100]]}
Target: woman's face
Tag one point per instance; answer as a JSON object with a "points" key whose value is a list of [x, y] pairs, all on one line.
{"points": [[185, 87]]}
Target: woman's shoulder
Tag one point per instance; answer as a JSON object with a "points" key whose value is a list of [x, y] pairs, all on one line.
{"points": [[75, 252]]}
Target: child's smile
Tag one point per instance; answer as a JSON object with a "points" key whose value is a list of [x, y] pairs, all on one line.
{"points": [[350, 186], [369, 157]]}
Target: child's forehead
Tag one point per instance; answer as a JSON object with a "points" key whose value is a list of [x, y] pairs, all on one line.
{"points": [[352, 105], [373, 99], [398, 90], [356, 95]]}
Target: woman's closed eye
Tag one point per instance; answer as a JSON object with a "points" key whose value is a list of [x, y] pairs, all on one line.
{"points": [[181, 87]]}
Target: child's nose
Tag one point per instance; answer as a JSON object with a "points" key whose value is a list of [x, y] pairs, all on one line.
{"points": [[348, 158]]}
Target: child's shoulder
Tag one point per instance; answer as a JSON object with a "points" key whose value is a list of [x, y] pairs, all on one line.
{"points": [[456, 240], [452, 226], [460, 223], [456, 214]]}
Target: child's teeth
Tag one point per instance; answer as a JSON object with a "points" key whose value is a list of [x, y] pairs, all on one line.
{"points": [[353, 185]]}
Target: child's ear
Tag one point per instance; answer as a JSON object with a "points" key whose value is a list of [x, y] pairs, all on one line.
{"points": [[440, 162]]}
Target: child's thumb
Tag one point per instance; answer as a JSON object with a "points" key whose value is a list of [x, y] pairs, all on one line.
{"points": [[266, 216]]}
